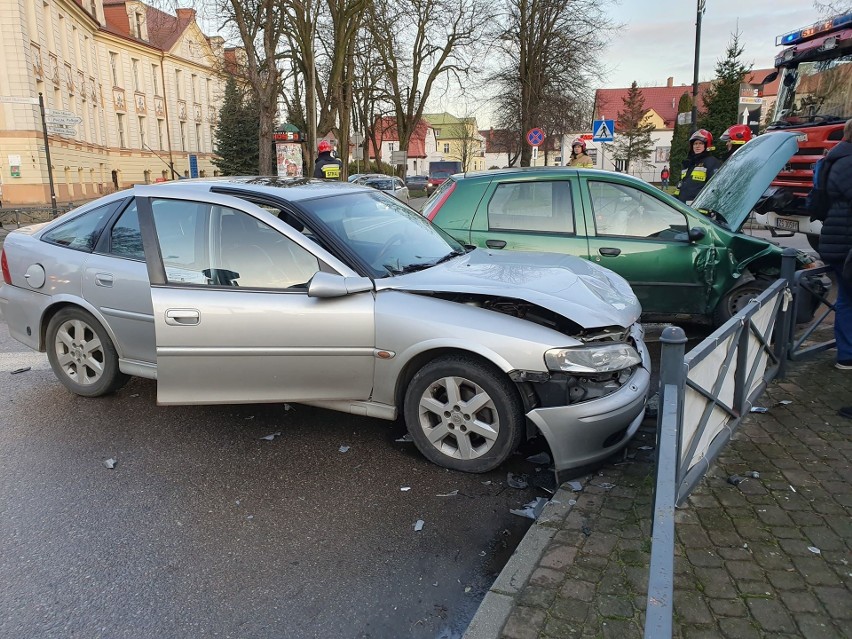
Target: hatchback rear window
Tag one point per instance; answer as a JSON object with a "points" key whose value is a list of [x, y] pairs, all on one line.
{"points": [[82, 232]]}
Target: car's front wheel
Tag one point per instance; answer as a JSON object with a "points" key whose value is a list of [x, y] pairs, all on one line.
{"points": [[82, 355], [738, 298], [463, 414]]}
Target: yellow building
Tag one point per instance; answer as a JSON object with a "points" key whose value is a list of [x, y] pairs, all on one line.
{"points": [[130, 95], [458, 140]]}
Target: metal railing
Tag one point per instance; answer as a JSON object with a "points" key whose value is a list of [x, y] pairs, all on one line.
{"points": [[705, 394]]}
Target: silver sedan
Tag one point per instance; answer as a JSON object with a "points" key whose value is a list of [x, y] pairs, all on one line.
{"points": [[335, 295]]}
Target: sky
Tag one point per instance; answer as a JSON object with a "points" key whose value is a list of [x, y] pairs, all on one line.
{"points": [[658, 37]]}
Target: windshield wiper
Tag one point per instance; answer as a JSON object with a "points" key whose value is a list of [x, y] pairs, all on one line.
{"points": [[419, 266]]}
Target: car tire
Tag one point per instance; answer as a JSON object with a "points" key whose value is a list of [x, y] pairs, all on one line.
{"points": [[737, 299], [438, 409], [82, 355]]}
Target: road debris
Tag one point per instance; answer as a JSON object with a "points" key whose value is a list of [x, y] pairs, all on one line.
{"points": [[21, 370], [542, 459], [753, 474], [418, 525], [759, 409], [110, 463], [575, 486], [531, 510], [735, 480], [343, 449], [449, 494], [405, 489], [517, 481], [272, 436], [605, 485], [406, 439], [486, 483], [815, 550]]}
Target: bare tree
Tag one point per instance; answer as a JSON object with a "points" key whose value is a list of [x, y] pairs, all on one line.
{"points": [[418, 42], [833, 7], [547, 52], [260, 25]]}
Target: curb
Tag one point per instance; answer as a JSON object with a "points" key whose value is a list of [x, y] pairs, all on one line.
{"points": [[493, 612]]}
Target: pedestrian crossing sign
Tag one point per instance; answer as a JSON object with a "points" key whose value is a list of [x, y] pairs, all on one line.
{"points": [[602, 130]]}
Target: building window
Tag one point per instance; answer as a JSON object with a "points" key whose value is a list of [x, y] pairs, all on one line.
{"points": [[446, 147], [113, 64], [193, 82], [178, 88], [155, 73], [161, 133], [137, 25], [390, 147], [121, 132], [183, 136], [142, 141], [207, 83], [137, 86]]}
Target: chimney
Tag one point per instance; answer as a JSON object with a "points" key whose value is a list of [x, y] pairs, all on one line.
{"points": [[670, 81], [186, 14]]}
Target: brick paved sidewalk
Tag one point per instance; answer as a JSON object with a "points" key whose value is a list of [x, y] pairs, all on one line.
{"points": [[770, 557]]}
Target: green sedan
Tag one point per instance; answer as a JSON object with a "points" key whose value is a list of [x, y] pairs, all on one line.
{"points": [[683, 262]]}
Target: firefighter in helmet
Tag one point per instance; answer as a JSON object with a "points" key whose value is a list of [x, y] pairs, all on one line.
{"points": [[326, 165], [579, 157], [734, 137], [699, 165]]}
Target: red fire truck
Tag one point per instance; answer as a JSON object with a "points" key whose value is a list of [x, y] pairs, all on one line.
{"points": [[814, 99]]}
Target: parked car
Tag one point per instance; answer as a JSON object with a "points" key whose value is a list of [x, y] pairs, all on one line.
{"points": [[389, 184], [417, 182], [243, 290], [354, 177], [683, 262]]}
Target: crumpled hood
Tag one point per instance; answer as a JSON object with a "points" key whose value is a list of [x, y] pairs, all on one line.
{"points": [[581, 291], [737, 186]]}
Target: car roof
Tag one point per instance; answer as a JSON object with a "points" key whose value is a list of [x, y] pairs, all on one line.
{"points": [[291, 189], [544, 171]]}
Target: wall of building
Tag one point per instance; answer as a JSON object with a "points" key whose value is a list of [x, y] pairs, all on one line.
{"points": [[62, 52]]}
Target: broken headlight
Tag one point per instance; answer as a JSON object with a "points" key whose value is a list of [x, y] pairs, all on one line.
{"points": [[603, 358]]}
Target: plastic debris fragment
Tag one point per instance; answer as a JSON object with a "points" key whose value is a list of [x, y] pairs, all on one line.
{"points": [[791, 488], [605, 485], [575, 486], [452, 493], [517, 481], [418, 525], [343, 449], [541, 459], [482, 553], [735, 480], [815, 550], [249, 417], [405, 489], [586, 530], [110, 463], [272, 436], [135, 395], [486, 483], [532, 509], [646, 448], [405, 438], [21, 370], [467, 588], [753, 474], [783, 402], [759, 409]]}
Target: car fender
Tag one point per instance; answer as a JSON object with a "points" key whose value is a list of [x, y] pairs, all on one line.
{"points": [[60, 301]]}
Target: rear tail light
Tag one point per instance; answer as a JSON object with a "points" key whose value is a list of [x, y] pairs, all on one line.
{"points": [[432, 211], [4, 264]]}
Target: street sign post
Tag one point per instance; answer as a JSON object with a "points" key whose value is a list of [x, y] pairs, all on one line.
{"points": [[399, 157], [602, 130]]}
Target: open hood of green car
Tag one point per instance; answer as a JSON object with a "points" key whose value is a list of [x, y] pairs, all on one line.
{"points": [[737, 186]]}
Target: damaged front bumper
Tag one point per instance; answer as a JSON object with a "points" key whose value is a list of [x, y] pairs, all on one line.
{"points": [[589, 432]]}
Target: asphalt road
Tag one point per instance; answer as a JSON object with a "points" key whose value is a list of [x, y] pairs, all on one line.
{"points": [[203, 529]]}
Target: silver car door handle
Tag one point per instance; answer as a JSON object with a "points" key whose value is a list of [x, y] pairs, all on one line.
{"points": [[104, 279], [182, 317]]}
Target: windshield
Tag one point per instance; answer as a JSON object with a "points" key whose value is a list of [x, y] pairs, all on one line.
{"points": [[387, 236], [815, 92], [440, 173]]}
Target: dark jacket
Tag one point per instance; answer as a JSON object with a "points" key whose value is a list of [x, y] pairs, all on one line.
{"points": [[327, 167], [697, 171], [835, 240]]}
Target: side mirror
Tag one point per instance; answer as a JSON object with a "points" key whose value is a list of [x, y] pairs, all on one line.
{"points": [[324, 285], [696, 233]]}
